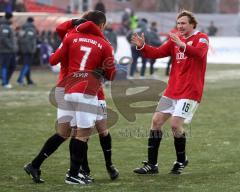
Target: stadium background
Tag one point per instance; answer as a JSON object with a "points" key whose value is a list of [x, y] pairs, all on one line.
{"points": [[27, 118]]}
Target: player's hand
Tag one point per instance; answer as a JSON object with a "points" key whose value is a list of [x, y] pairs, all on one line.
{"points": [[76, 22], [174, 37], [138, 40], [98, 73]]}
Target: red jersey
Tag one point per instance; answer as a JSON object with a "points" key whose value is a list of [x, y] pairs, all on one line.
{"points": [[86, 50], [63, 72], [62, 30], [186, 79]]}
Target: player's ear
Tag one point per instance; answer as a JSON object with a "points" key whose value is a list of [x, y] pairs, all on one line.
{"points": [[102, 26]]}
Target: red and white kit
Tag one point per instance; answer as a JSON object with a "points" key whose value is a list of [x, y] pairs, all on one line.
{"points": [[86, 50], [186, 79]]}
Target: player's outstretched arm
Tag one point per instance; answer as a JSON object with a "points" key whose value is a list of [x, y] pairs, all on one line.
{"points": [[149, 51]]}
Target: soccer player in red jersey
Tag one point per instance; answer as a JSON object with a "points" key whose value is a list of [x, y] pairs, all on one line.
{"points": [[101, 123], [184, 90], [86, 50], [63, 130], [64, 119]]}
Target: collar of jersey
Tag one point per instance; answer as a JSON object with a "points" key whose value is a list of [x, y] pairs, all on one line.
{"points": [[193, 33]]}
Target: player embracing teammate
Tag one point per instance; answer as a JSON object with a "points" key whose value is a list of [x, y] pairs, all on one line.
{"points": [[86, 58]]}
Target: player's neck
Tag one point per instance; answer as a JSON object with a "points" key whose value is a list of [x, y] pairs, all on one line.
{"points": [[189, 34]]}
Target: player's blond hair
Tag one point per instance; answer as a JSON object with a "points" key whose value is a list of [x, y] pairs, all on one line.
{"points": [[192, 19]]}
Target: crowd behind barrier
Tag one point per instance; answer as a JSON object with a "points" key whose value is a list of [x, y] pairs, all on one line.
{"points": [[118, 33]]}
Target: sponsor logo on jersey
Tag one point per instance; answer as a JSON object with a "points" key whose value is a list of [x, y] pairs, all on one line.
{"points": [[180, 56]]}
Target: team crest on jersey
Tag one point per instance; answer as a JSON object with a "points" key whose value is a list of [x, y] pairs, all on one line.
{"points": [[189, 43], [203, 40]]}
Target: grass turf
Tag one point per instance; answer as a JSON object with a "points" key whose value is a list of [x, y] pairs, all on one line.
{"points": [[27, 120]]}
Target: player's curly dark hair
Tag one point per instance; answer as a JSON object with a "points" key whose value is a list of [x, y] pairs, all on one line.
{"points": [[191, 17], [96, 17]]}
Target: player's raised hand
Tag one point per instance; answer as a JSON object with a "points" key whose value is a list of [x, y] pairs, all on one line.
{"points": [[174, 37], [138, 40], [76, 22]]}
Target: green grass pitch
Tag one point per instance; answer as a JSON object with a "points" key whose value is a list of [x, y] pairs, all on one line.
{"points": [[27, 120]]}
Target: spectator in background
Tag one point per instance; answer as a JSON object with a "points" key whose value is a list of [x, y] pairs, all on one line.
{"points": [[37, 55], [13, 2], [14, 58], [50, 37], [28, 46], [43, 36], [7, 49], [142, 28], [153, 27], [19, 7], [125, 22], [100, 6], [45, 47], [8, 6], [68, 10], [167, 72], [75, 6], [212, 29], [111, 36], [155, 41], [2, 5], [133, 20]]}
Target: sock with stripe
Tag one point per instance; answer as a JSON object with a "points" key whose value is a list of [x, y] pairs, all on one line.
{"points": [[48, 148], [155, 137], [180, 144], [106, 144]]}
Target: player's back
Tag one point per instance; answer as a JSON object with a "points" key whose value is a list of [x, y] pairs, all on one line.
{"points": [[86, 47], [87, 50]]}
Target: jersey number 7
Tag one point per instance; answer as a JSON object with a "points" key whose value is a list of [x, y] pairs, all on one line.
{"points": [[87, 51]]}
